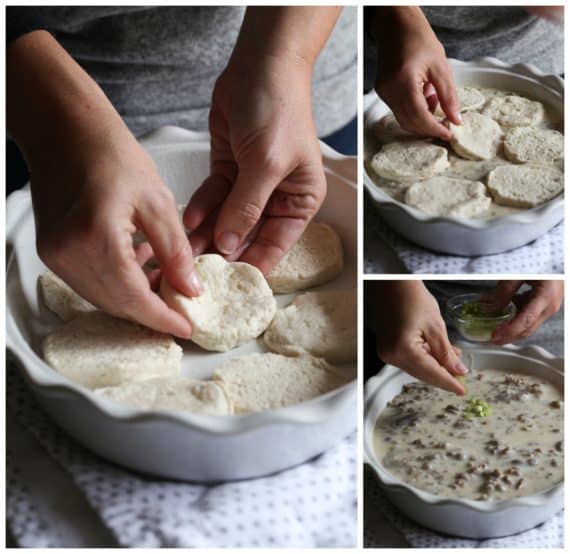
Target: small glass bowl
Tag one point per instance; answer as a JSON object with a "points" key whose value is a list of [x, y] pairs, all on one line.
{"points": [[476, 328]]}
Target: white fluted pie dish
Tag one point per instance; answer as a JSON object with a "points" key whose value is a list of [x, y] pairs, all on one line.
{"points": [[474, 237], [459, 516], [180, 445]]}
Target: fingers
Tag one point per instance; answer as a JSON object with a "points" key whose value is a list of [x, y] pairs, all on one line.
{"points": [[275, 237], [503, 294], [160, 222], [420, 120], [244, 206], [138, 303], [542, 302], [426, 368], [430, 95], [446, 92], [443, 351], [206, 199]]}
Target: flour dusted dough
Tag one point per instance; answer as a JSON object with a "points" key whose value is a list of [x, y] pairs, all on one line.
{"points": [[171, 393], [409, 161], [443, 196], [514, 111], [236, 306], [315, 259], [469, 99], [98, 350], [389, 130], [61, 299], [525, 186], [478, 138], [321, 323], [529, 144], [259, 382]]}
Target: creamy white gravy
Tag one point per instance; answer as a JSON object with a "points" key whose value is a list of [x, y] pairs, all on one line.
{"points": [[424, 438], [458, 167]]}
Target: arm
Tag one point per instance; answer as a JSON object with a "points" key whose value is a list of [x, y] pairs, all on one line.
{"points": [[413, 73], [92, 186], [411, 334], [266, 177], [552, 13]]}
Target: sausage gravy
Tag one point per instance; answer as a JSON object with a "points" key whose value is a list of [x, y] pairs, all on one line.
{"points": [[436, 441]]}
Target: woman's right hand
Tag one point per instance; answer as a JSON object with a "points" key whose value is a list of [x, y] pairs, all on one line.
{"points": [[413, 74], [93, 186], [411, 334]]}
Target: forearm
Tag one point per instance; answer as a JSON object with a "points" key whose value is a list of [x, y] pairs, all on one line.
{"points": [[389, 298], [388, 20], [296, 32], [51, 101]]}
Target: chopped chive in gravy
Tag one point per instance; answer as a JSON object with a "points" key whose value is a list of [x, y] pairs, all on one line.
{"points": [[504, 441]]}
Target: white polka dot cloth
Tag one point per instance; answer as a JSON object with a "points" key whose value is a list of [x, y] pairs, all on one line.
{"points": [[312, 505], [544, 255], [548, 535]]}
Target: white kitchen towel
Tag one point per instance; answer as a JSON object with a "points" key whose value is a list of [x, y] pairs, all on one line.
{"points": [[544, 255], [548, 535], [312, 505]]}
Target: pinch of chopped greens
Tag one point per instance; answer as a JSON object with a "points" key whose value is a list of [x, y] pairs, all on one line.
{"points": [[477, 320], [477, 408]]}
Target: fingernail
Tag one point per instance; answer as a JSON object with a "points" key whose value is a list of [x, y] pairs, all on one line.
{"points": [[228, 242], [195, 284], [458, 116], [461, 367]]}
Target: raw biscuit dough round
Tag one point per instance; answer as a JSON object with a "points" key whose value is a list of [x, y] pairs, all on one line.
{"points": [[388, 130], [98, 350], [61, 299], [410, 161], [321, 323], [236, 306], [533, 145], [259, 382], [469, 99], [525, 186], [171, 393], [444, 196], [514, 111], [314, 259], [478, 138]]}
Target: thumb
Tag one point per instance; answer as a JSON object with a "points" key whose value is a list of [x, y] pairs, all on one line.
{"points": [[443, 351], [243, 207], [163, 227]]}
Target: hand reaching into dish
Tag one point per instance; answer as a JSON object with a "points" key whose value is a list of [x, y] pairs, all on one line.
{"points": [[413, 74], [411, 334], [92, 186], [266, 176], [535, 306]]}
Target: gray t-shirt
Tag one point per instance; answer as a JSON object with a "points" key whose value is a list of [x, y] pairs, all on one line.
{"points": [[508, 33], [158, 66]]}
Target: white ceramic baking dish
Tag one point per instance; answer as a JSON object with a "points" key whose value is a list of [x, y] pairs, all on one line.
{"points": [[175, 444], [460, 517], [474, 237]]}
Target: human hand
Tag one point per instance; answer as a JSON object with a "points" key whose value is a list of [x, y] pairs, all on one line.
{"points": [[266, 176], [535, 306], [413, 74], [552, 13], [86, 213], [411, 334], [92, 186]]}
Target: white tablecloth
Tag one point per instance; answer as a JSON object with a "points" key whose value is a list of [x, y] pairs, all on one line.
{"points": [[382, 246], [59, 494]]}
